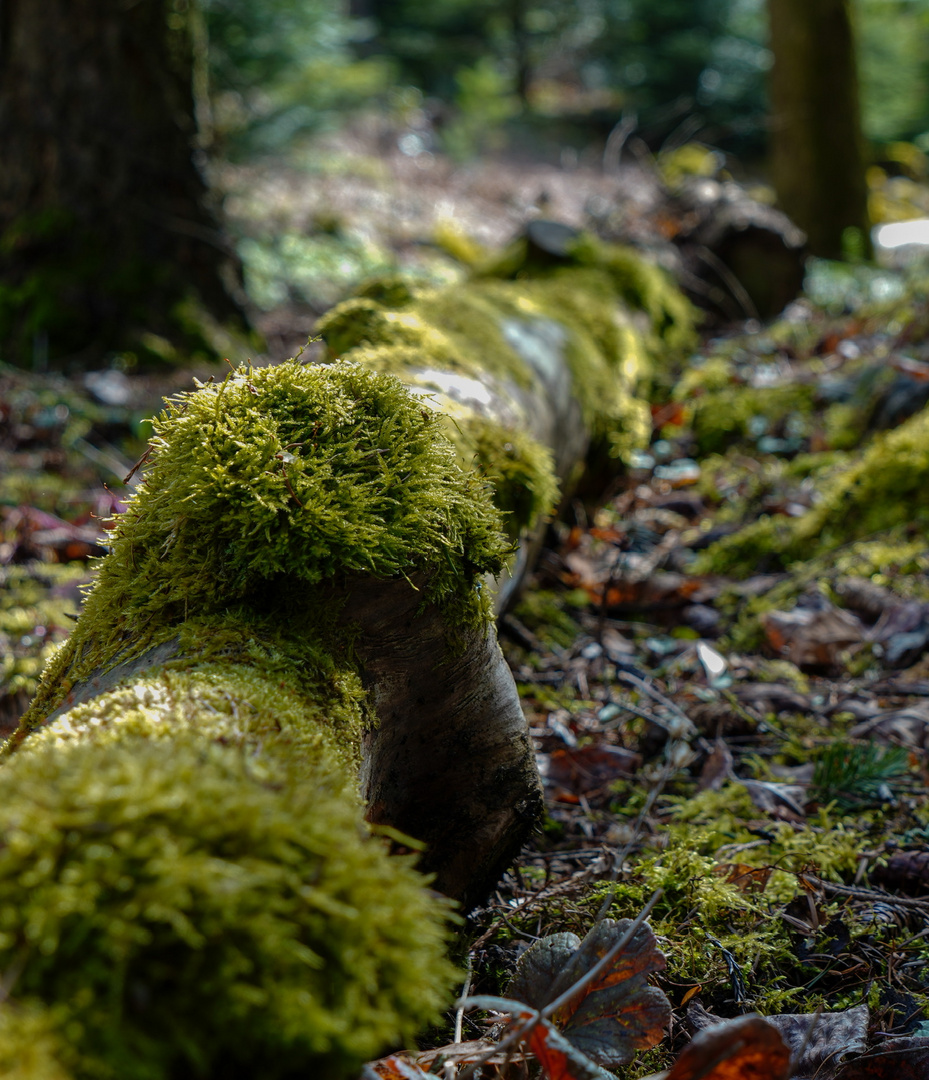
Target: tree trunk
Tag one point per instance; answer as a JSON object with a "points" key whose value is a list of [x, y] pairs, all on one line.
{"points": [[105, 231], [817, 149]]}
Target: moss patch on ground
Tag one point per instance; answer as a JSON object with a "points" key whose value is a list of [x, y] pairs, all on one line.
{"points": [[884, 487]]}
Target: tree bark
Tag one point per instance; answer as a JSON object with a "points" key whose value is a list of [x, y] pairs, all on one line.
{"points": [[817, 148], [105, 226]]}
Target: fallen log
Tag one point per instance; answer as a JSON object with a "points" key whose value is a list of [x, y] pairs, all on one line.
{"points": [[301, 592]]}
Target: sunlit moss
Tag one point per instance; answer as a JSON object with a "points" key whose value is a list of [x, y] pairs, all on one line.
{"points": [[194, 908], [265, 485], [34, 1042], [884, 487], [604, 317], [519, 468]]}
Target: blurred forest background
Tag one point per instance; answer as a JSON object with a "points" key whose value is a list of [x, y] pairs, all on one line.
{"points": [[548, 77], [342, 138], [572, 84]]}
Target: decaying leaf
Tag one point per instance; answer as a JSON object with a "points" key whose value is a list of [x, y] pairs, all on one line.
{"points": [[747, 1048], [581, 770], [747, 879], [392, 1068], [717, 768], [617, 1013], [812, 637], [820, 1041], [895, 1059], [561, 1059], [415, 1065]]}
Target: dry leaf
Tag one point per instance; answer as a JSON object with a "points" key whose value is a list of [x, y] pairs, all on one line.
{"points": [[747, 1048], [587, 768], [748, 879], [825, 1039], [812, 637], [616, 1014], [895, 1059]]}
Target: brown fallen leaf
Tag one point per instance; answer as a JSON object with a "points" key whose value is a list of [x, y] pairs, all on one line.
{"points": [[413, 1065], [392, 1068], [561, 1059], [820, 1041], [717, 768], [908, 870], [581, 770], [812, 636], [615, 1014], [747, 1048], [747, 879]]}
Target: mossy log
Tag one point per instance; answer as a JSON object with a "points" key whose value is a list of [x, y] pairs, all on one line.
{"points": [[541, 363], [301, 592]]}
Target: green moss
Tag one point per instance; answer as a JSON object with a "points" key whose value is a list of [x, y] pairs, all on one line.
{"points": [[262, 487], [723, 412], [545, 614], [393, 290], [474, 331], [884, 487], [609, 314], [195, 909], [519, 467], [243, 704], [35, 602], [33, 1043], [648, 287]]}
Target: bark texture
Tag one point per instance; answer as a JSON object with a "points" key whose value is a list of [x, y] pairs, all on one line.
{"points": [[104, 223], [817, 148]]}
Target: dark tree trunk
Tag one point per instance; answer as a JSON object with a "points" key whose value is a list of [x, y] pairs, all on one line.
{"points": [[104, 223], [816, 141]]}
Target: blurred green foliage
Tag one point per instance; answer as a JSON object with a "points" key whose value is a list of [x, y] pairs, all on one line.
{"points": [[279, 69]]}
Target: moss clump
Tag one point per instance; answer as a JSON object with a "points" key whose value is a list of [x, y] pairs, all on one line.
{"points": [[236, 704], [647, 287], [883, 488], [511, 335], [519, 467], [197, 910], [267, 484], [33, 1043], [723, 410]]}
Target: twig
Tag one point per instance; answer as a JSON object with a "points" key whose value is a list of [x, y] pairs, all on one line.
{"points": [[459, 1015]]}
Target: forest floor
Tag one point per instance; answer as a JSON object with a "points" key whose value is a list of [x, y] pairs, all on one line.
{"points": [[745, 732]]}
